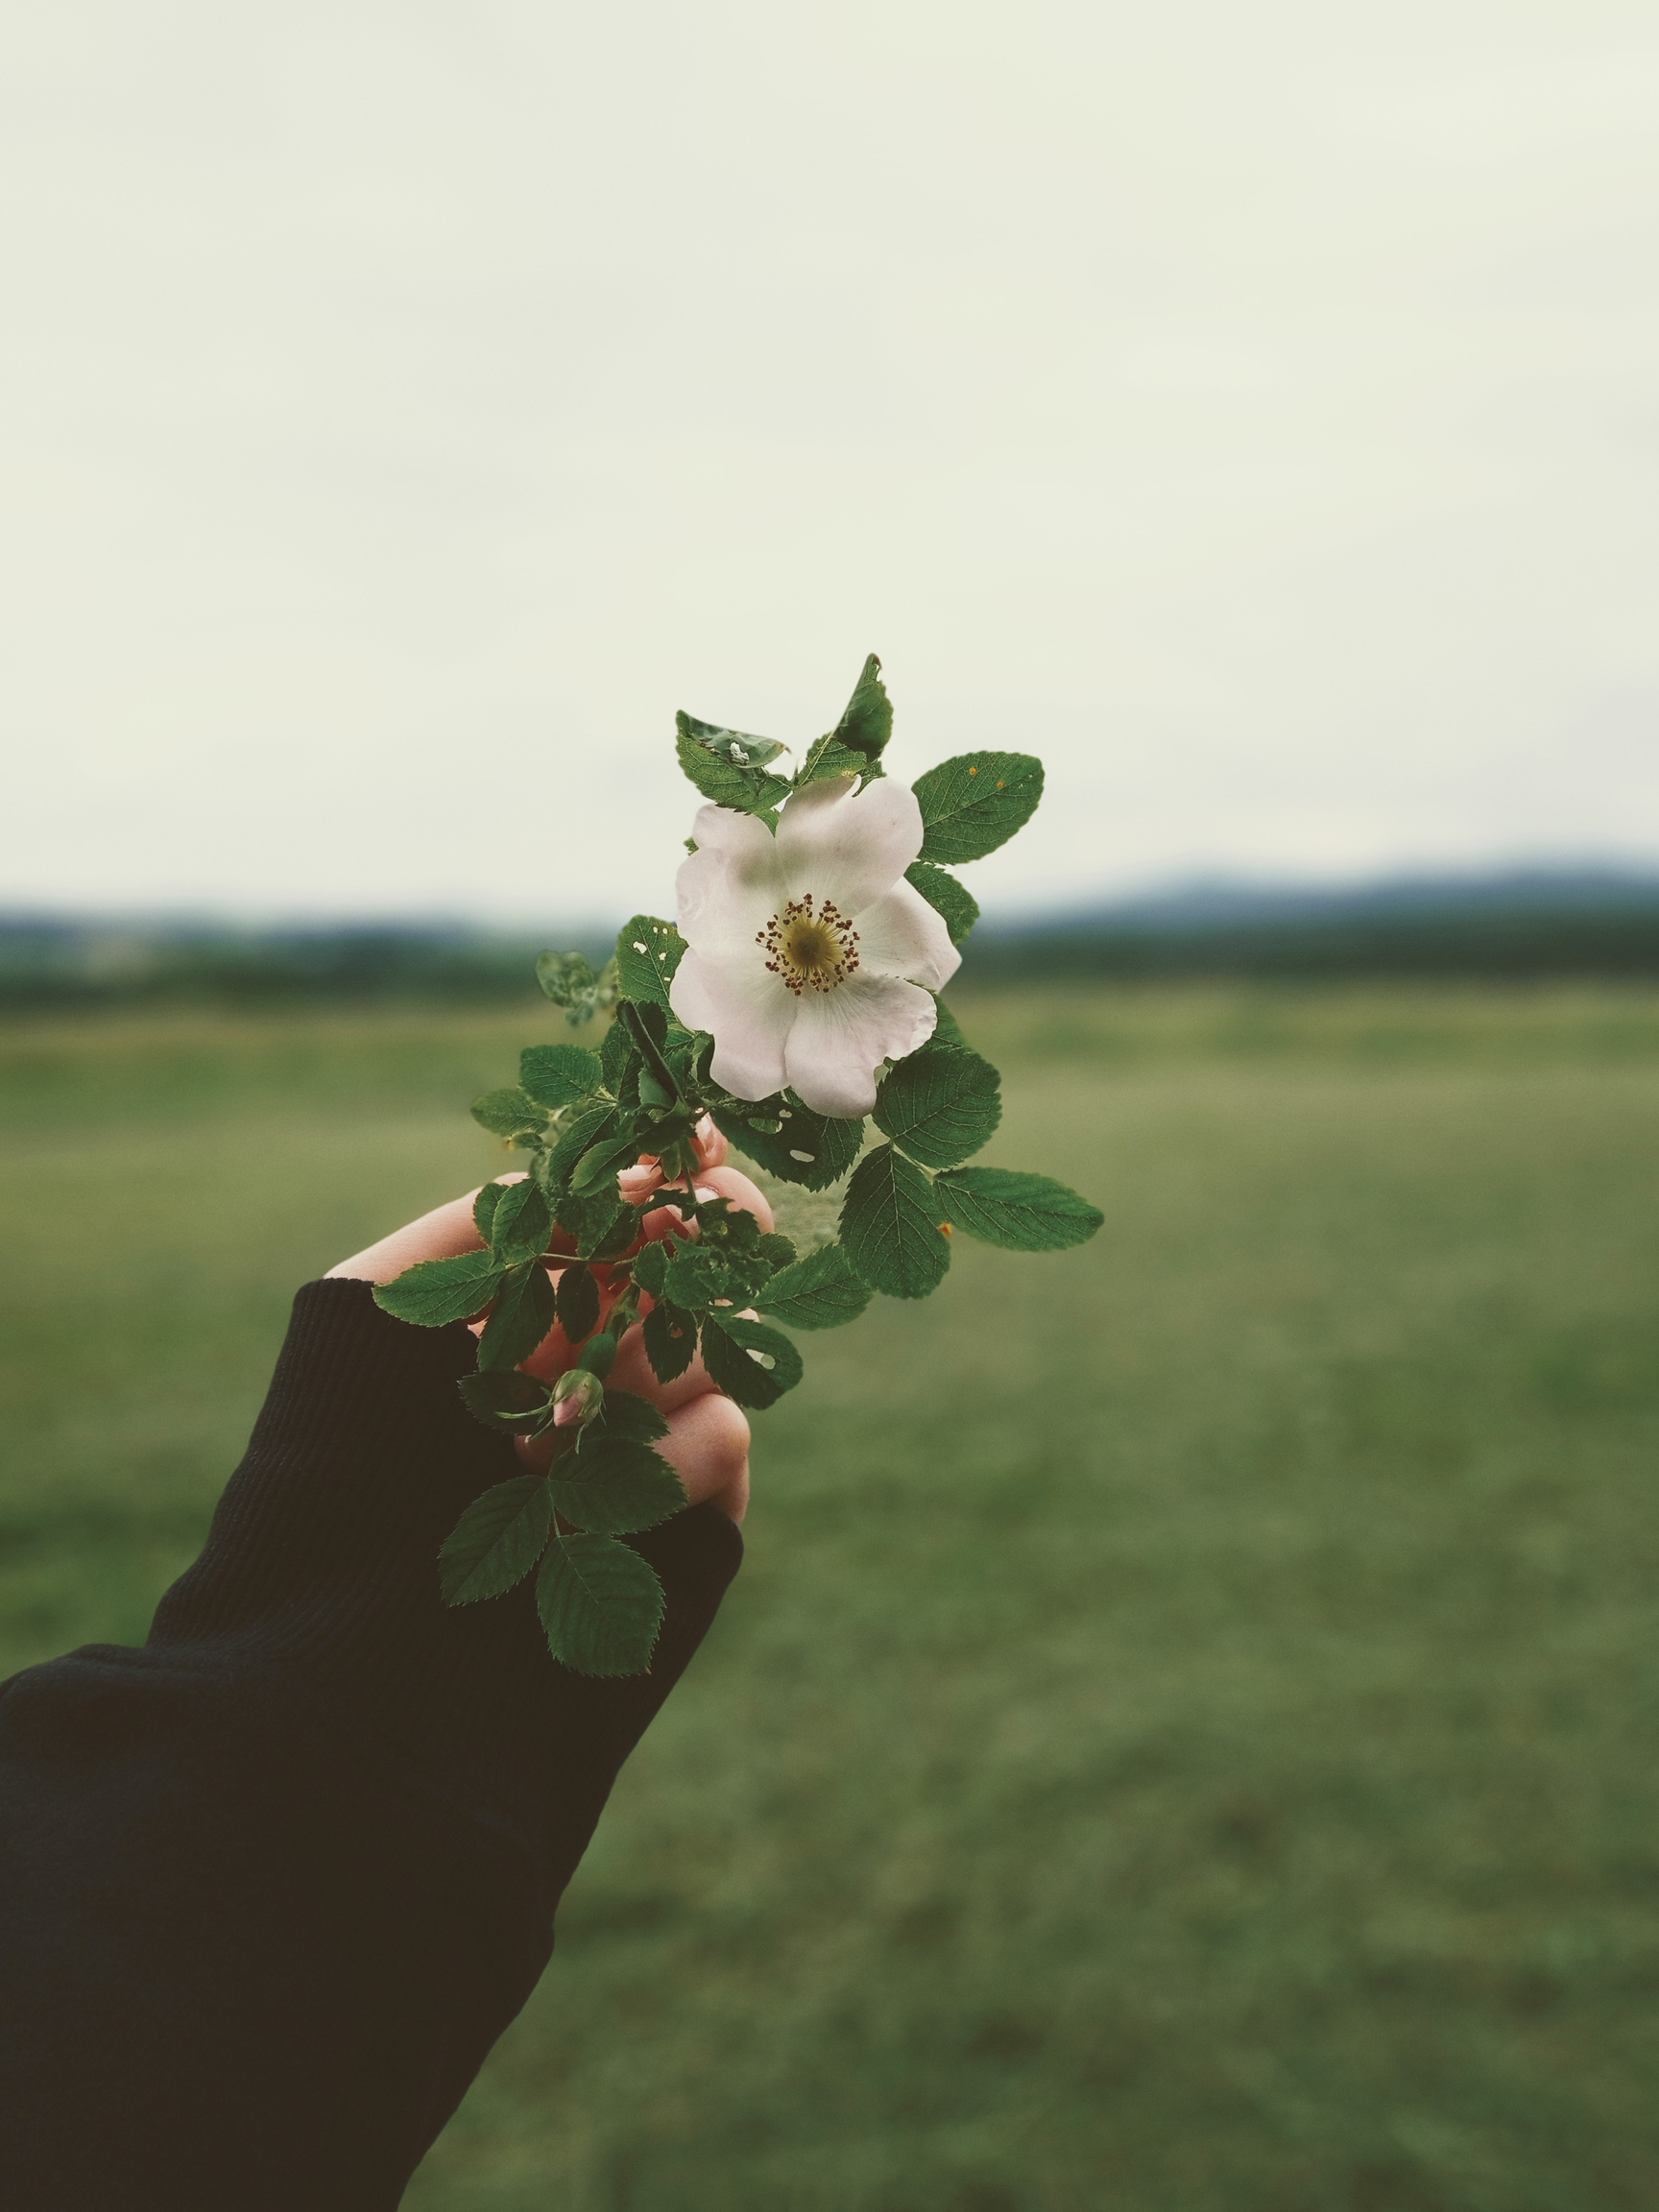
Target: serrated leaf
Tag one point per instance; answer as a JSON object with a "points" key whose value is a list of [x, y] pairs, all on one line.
{"points": [[696, 1276], [1021, 1212], [670, 1340], [505, 1400], [752, 1363], [576, 1304], [746, 790], [809, 1148], [890, 1227], [648, 952], [602, 1225], [435, 1292], [940, 1103], [616, 1487], [522, 1223], [827, 758], [601, 1605], [559, 1075], [818, 1292], [483, 1208], [522, 1316], [509, 1113], [868, 721], [616, 1055], [564, 977], [625, 1417], [650, 1266], [952, 901], [946, 1029], [737, 747], [583, 1127], [600, 1163], [776, 1249], [497, 1541], [975, 803]]}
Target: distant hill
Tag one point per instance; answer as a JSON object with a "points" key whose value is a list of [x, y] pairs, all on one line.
{"points": [[1526, 923]]}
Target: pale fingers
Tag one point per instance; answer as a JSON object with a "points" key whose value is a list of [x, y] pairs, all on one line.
{"points": [[437, 1235]]}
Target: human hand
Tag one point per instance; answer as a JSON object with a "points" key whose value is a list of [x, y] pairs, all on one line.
{"points": [[708, 1439]]}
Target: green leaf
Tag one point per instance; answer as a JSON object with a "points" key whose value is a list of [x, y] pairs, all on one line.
{"points": [[509, 1113], [776, 1249], [1021, 1212], [828, 757], [483, 1208], [890, 1227], [522, 1316], [522, 1223], [497, 1541], [650, 1267], [752, 1363], [601, 1605], [601, 1224], [868, 722], [940, 1103], [600, 1163], [435, 1291], [807, 1148], [647, 953], [624, 1416], [505, 1400], [670, 1340], [948, 1030], [564, 977], [972, 804], [616, 1054], [616, 1487], [747, 790], [818, 1292], [576, 1304], [586, 1125], [559, 1075], [696, 1276], [952, 901], [735, 747]]}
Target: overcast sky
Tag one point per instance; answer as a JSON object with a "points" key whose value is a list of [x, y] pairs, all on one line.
{"points": [[1254, 410]]}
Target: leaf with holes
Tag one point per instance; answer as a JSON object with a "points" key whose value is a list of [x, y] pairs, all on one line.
{"points": [[890, 1227], [435, 1292], [972, 804], [811, 1149], [648, 952], [752, 1363], [1021, 1212], [497, 1541], [818, 1292], [601, 1605], [670, 1340], [940, 1104]]}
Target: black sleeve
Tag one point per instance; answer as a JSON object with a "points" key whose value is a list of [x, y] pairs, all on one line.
{"points": [[271, 1886]]}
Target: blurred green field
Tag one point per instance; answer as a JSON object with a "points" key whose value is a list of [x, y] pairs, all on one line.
{"points": [[1183, 1739]]}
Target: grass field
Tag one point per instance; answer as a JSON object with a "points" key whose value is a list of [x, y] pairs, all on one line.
{"points": [[1185, 1737]]}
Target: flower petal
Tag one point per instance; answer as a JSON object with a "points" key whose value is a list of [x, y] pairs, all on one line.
{"points": [[746, 1011], [732, 884], [848, 847], [902, 935], [841, 1037]]}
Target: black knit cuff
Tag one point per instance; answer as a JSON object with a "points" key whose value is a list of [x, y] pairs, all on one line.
{"points": [[321, 1559]]}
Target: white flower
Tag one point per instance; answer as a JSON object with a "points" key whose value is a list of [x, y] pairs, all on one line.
{"points": [[808, 951]]}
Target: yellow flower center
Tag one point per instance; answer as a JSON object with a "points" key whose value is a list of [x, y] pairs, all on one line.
{"points": [[808, 951]]}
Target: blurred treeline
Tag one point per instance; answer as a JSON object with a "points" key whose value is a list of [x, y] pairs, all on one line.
{"points": [[1541, 925]]}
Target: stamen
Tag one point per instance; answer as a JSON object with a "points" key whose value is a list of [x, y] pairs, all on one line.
{"points": [[810, 950]]}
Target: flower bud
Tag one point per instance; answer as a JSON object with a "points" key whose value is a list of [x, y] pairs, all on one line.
{"points": [[577, 1397], [598, 1356]]}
